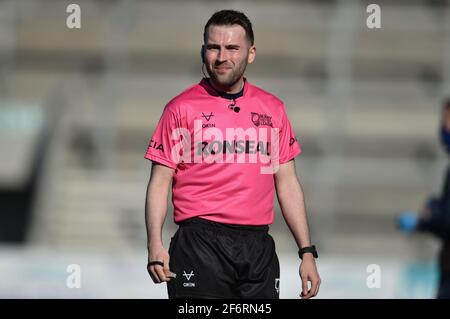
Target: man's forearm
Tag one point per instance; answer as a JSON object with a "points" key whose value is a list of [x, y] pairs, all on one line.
{"points": [[155, 213], [292, 203]]}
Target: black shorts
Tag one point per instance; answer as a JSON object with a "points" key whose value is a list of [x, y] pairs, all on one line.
{"points": [[214, 260]]}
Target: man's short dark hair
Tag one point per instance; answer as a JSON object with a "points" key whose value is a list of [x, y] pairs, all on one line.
{"points": [[230, 17]]}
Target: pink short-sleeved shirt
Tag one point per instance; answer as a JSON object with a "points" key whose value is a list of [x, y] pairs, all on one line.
{"points": [[223, 160]]}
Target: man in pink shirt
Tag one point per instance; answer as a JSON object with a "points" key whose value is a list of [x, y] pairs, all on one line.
{"points": [[226, 146]]}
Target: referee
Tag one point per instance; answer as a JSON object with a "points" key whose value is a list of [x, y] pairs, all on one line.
{"points": [[225, 146]]}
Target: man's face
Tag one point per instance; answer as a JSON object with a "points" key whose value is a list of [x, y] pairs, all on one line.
{"points": [[227, 53]]}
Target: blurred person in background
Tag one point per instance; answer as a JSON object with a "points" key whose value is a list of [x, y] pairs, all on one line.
{"points": [[222, 248], [435, 216]]}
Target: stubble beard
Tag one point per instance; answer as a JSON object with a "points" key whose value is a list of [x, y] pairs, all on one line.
{"points": [[227, 80]]}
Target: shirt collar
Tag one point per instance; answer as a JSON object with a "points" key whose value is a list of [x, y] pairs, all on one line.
{"points": [[230, 96]]}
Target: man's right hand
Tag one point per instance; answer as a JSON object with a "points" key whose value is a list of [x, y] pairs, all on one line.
{"points": [[159, 273]]}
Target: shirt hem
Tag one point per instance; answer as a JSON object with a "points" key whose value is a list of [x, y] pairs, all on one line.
{"points": [[160, 160]]}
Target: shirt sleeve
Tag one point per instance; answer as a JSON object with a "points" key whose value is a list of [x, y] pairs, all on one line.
{"points": [[288, 143], [160, 146]]}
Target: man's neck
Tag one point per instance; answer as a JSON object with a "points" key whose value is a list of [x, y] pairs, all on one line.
{"points": [[236, 88]]}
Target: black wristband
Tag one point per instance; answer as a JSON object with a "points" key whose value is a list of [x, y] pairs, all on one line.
{"points": [[309, 249], [156, 262]]}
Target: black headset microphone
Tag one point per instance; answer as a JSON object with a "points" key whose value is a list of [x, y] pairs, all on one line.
{"points": [[232, 105], [203, 61]]}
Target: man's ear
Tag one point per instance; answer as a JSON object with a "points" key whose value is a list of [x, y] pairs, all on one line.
{"points": [[251, 54]]}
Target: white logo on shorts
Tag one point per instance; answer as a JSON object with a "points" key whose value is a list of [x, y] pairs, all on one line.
{"points": [[188, 277]]}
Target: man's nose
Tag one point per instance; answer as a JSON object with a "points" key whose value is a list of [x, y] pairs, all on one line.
{"points": [[221, 56]]}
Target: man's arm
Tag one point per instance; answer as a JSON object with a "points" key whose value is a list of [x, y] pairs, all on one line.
{"points": [[435, 216], [155, 215], [292, 203]]}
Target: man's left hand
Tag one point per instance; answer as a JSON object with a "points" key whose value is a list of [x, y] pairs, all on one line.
{"points": [[308, 273]]}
